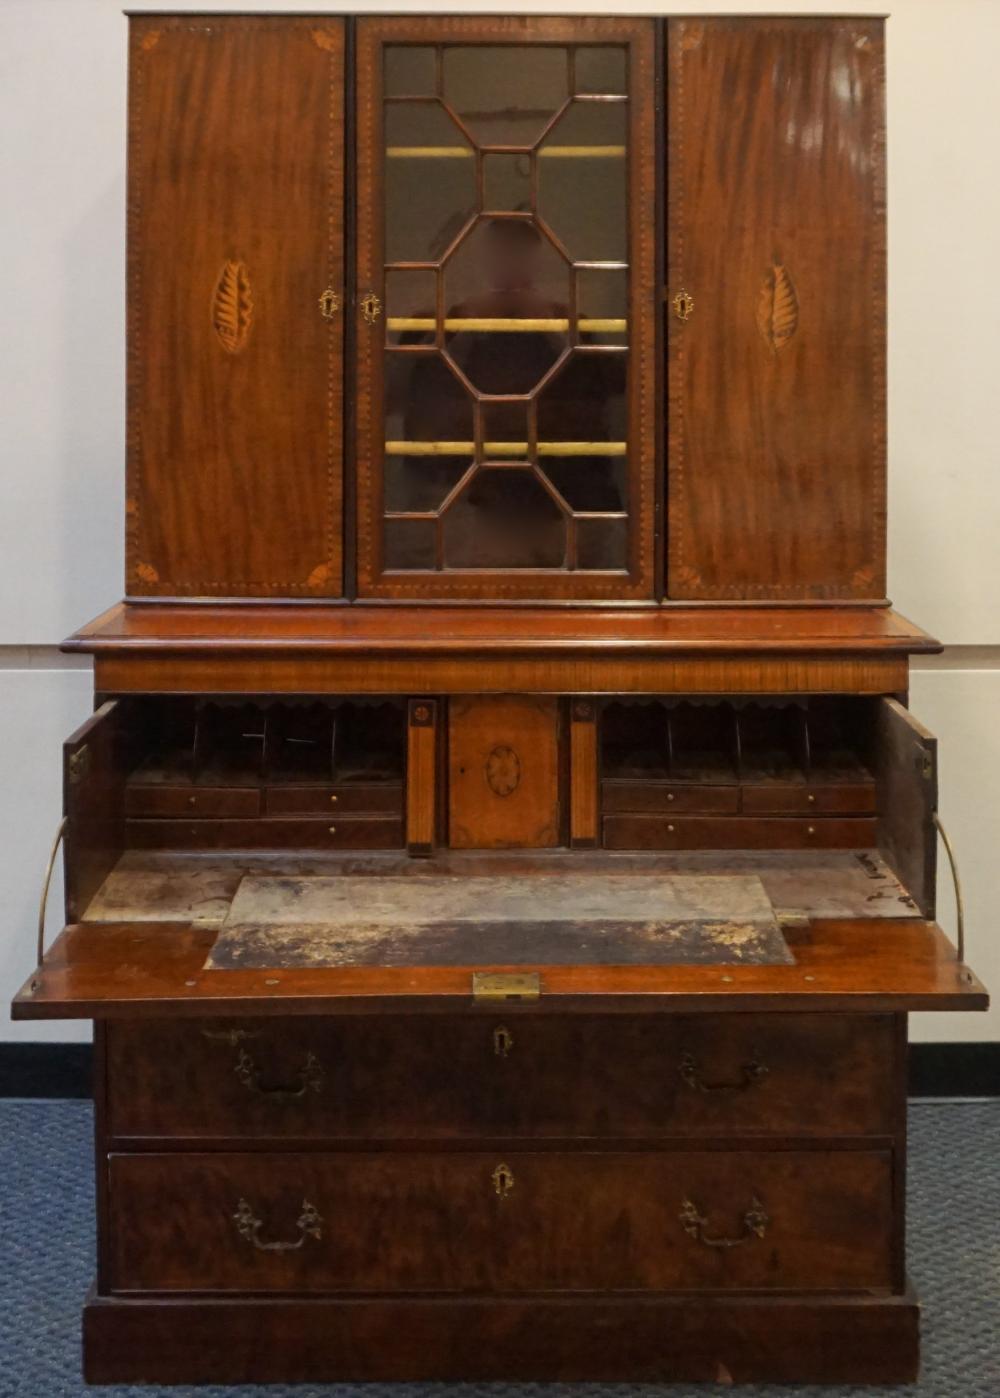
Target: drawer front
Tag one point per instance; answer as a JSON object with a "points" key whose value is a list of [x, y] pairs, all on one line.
{"points": [[192, 801], [487, 1076], [517, 1222], [738, 832], [356, 832], [360, 798], [846, 798], [667, 796]]}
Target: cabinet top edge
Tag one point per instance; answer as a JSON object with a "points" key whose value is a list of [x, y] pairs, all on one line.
{"points": [[373, 629]]}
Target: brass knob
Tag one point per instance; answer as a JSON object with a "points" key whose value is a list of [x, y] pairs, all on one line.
{"points": [[333, 797], [329, 304], [371, 307], [333, 830]]}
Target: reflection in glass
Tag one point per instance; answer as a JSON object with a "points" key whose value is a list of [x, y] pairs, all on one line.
{"points": [[507, 274], [602, 300], [582, 181], [505, 95], [505, 518], [410, 70]]}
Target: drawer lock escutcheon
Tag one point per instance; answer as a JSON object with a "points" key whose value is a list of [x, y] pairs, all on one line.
{"points": [[309, 1078], [248, 1225], [503, 1041], [750, 1073], [693, 1221], [503, 1181]]}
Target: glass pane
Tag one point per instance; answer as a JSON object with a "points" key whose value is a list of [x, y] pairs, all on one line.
{"points": [[507, 292], [505, 95], [507, 182], [506, 368], [410, 307], [505, 431], [425, 405], [421, 483], [410, 71], [582, 181], [410, 543], [601, 543], [600, 70], [602, 304], [504, 519], [430, 181]]}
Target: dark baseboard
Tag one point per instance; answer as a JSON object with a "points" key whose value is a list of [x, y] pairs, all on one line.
{"points": [[45, 1070], [63, 1070]]}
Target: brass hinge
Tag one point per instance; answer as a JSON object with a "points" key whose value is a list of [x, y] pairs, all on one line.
{"points": [[506, 985], [78, 764], [927, 765]]}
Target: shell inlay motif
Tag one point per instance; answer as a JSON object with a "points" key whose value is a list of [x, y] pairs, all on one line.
{"points": [[777, 308], [232, 307]]}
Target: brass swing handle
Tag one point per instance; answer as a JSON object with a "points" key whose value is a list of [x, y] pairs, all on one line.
{"points": [[248, 1225], [755, 1222], [46, 881], [310, 1077], [750, 1073]]}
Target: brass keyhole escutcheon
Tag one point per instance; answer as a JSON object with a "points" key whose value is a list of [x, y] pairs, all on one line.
{"points": [[503, 1180], [683, 304], [329, 304], [371, 307], [503, 1041]]}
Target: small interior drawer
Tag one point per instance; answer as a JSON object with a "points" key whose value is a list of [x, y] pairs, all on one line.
{"points": [[361, 798], [354, 832], [620, 795], [191, 801], [836, 798], [653, 831], [509, 1221], [490, 1075]]}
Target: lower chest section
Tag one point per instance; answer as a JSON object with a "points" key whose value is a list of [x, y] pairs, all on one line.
{"points": [[498, 1154]]}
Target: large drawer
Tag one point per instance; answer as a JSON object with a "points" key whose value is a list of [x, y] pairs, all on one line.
{"points": [[517, 1222], [479, 1075]]}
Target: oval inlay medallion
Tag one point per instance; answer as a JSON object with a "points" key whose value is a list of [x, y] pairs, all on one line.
{"points": [[503, 770]]}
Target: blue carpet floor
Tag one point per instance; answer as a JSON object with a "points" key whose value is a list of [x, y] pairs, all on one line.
{"points": [[46, 1226]]}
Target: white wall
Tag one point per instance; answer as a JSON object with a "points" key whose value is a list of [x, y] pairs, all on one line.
{"points": [[62, 170]]}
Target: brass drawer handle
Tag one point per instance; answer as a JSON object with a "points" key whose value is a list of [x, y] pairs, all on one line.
{"points": [[310, 1076], [248, 1225], [755, 1222], [503, 1181], [750, 1073], [503, 1041]]}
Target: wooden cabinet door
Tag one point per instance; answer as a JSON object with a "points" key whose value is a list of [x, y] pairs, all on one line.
{"points": [[776, 308], [234, 372], [504, 772], [506, 374]]}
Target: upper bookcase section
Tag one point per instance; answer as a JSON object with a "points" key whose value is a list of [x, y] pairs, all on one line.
{"points": [[512, 311]]}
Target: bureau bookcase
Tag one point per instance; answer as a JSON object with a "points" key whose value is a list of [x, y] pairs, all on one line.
{"points": [[501, 859]]}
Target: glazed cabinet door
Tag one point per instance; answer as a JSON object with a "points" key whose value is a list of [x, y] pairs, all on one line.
{"points": [[506, 381], [776, 308], [235, 325]]}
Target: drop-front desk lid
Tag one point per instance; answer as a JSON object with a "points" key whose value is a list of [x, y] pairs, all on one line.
{"points": [[188, 936]]}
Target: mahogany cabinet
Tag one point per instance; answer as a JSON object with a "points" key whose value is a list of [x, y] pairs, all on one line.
{"points": [[501, 859]]}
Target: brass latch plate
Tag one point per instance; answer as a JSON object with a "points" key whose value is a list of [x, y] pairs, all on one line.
{"points": [[506, 985]]}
